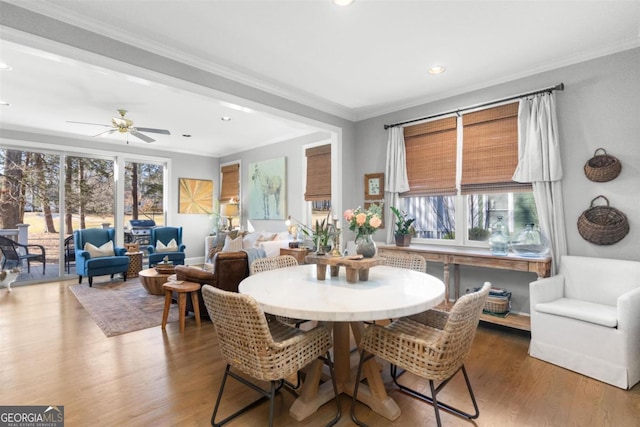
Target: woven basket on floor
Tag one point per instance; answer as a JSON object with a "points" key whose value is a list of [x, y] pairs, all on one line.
{"points": [[602, 167], [497, 305], [603, 225]]}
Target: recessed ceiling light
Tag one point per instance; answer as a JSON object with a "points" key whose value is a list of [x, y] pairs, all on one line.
{"points": [[436, 69], [4, 103], [343, 2], [186, 135], [225, 119], [5, 67]]}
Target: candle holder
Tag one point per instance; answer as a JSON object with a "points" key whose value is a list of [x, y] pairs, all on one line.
{"points": [[336, 239]]}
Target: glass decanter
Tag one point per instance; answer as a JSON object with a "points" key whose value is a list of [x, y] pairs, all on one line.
{"points": [[499, 239], [530, 242]]}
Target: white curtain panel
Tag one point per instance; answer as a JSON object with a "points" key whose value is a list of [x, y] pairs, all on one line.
{"points": [[395, 177], [539, 163]]}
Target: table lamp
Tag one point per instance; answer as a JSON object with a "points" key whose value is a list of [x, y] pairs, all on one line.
{"points": [[229, 210]]}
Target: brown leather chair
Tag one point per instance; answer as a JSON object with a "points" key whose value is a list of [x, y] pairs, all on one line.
{"points": [[229, 269]]}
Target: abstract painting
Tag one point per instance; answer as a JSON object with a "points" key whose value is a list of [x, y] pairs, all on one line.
{"points": [[195, 196]]}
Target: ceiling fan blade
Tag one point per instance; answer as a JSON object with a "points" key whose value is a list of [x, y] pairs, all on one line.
{"points": [[145, 138], [85, 123], [152, 130], [110, 131]]}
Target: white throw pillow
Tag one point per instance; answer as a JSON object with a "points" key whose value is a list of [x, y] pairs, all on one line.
{"points": [[97, 252], [232, 245], [249, 241], [172, 246]]}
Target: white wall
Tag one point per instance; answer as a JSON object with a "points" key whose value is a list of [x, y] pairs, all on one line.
{"points": [[600, 107]]}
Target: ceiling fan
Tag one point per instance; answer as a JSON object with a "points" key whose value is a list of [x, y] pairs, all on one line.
{"points": [[124, 125]]}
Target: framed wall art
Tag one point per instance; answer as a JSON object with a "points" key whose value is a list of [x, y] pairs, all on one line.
{"points": [[374, 186], [195, 196], [268, 189]]}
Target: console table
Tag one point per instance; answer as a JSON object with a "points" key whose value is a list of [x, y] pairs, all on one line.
{"points": [[477, 257]]}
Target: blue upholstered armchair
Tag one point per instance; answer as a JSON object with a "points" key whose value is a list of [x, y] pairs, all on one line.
{"points": [[97, 254], [166, 242]]}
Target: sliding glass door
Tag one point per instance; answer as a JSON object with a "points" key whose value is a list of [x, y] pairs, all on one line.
{"points": [[29, 213], [45, 196]]}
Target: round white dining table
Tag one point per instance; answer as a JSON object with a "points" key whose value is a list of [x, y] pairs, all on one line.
{"points": [[389, 292]]}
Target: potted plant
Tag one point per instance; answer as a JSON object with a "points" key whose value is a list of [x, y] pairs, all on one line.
{"points": [[320, 234], [404, 227]]}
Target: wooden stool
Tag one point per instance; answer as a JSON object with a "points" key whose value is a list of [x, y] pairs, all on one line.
{"points": [[182, 288]]}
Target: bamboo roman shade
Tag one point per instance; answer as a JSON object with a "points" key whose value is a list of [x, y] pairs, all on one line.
{"points": [[230, 187], [431, 157], [318, 173], [490, 151]]}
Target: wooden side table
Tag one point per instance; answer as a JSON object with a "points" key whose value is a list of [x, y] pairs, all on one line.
{"points": [[135, 263], [152, 281], [182, 288], [299, 254]]}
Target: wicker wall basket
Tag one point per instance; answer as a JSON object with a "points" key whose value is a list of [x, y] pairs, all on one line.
{"points": [[602, 167], [603, 225]]}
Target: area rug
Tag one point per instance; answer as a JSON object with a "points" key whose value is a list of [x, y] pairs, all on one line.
{"points": [[120, 307]]}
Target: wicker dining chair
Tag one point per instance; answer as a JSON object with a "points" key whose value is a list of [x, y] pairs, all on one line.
{"points": [[408, 261], [274, 263], [432, 345], [265, 351]]}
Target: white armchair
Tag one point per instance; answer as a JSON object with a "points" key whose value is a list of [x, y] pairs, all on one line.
{"points": [[587, 319]]}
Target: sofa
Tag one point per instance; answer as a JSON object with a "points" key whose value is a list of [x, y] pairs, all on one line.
{"points": [[235, 240], [229, 269], [587, 319]]}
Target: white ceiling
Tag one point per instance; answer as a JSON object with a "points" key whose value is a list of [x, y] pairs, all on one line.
{"points": [[354, 62]]}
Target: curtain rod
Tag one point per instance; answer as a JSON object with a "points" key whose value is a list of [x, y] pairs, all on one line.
{"points": [[523, 95]]}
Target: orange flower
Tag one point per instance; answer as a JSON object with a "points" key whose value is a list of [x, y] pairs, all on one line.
{"points": [[364, 221], [375, 222]]}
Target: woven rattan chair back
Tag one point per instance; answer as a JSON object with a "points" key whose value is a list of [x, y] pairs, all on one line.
{"points": [[439, 352], [432, 345], [272, 263], [454, 344], [408, 261], [266, 351], [246, 341]]}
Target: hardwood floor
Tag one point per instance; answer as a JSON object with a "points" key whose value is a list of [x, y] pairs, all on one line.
{"points": [[52, 353]]}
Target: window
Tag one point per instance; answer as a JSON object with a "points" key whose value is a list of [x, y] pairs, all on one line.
{"points": [[460, 172], [230, 187], [318, 190]]}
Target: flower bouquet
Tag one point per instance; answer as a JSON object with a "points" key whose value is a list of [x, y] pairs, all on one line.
{"points": [[364, 222]]}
